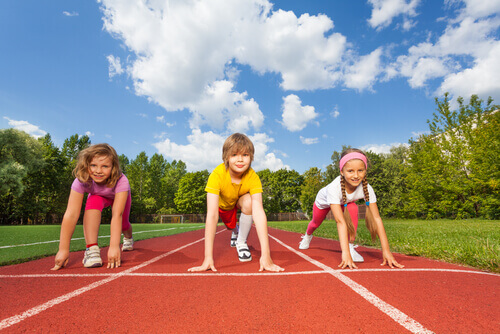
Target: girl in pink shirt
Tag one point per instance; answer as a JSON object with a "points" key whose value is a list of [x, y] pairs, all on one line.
{"points": [[97, 173]]}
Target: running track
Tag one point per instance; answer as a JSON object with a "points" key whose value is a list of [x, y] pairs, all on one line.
{"points": [[153, 292]]}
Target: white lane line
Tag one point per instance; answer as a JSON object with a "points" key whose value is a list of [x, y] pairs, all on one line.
{"points": [[42, 307], [395, 314], [284, 273], [101, 236]]}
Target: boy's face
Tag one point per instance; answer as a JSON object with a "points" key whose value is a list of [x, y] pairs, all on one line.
{"points": [[239, 162]]}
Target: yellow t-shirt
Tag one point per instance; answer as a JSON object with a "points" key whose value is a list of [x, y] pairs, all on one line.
{"points": [[219, 183]]}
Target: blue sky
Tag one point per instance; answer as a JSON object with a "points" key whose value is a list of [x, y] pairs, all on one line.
{"points": [[300, 78]]}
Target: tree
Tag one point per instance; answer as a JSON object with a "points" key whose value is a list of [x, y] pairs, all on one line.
{"points": [[170, 184], [281, 190], [445, 166], [20, 157], [137, 176], [313, 182], [191, 195]]}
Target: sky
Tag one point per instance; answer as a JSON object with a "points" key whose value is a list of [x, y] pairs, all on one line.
{"points": [[300, 78]]}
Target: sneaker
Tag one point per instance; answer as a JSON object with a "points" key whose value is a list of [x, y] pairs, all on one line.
{"points": [[92, 257], [355, 255], [128, 244], [234, 237], [243, 252], [306, 240]]}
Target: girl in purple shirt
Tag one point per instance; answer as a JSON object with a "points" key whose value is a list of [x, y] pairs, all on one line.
{"points": [[97, 173]]}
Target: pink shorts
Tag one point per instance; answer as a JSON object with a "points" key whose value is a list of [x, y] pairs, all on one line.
{"points": [[96, 202], [228, 217]]}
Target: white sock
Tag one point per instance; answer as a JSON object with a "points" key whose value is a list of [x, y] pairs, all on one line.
{"points": [[245, 226]]}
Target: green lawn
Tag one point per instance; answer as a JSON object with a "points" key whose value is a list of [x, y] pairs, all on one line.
{"points": [[45, 239], [474, 243]]}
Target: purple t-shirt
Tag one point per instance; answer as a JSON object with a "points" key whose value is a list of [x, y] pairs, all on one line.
{"points": [[102, 190]]}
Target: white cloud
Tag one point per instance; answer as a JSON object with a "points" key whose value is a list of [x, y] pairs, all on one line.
{"points": [[90, 134], [481, 79], [65, 13], [32, 130], [383, 148], [309, 141], [220, 105], [204, 151], [335, 112], [115, 67], [210, 38], [477, 9], [464, 55], [384, 11], [295, 116], [363, 73]]}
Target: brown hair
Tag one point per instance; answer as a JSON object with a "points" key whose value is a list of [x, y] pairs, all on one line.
{"points": [[369, 221], [81, 171], [237, 143]]}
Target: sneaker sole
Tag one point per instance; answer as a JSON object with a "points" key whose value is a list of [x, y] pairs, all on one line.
{"points": [[95, 265], [245, 259]]}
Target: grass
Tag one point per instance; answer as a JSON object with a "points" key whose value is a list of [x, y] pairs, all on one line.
{"points": [[45, 239], [474, 243]]}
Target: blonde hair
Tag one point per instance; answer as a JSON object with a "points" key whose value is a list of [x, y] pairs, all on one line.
{"points": [[237, 143], [81, 171], [369, 221]]}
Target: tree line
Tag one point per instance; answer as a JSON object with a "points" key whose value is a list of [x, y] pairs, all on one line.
{"points": [[453, 171]]}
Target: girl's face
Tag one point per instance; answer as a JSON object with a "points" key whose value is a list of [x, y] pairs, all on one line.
{"points": [[239, 163], [100, 168], [354, 172]]}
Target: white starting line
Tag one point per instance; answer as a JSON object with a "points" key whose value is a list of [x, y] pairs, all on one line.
{"points": [[101, 236], [395, 314]]}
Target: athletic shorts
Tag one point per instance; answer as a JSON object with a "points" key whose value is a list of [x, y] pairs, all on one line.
{"points": [[229, 217], [96, 202]]}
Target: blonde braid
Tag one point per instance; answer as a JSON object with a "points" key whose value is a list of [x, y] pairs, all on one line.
{"points": [[369, 221], [347, 217]]}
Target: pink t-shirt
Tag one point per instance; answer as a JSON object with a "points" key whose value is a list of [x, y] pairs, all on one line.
{"points": [[102, 190]]}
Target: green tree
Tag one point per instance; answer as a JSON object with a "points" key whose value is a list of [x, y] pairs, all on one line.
{"points": [[20, 157], [170, 184], [138, 178], [445, 165], [313, 182], [281, 190], [191, 196]]}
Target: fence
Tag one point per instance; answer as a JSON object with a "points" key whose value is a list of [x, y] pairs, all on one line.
{"points": [[155, 218]]}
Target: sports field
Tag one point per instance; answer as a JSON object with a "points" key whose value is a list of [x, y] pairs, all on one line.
{"points": [[155, 293]]}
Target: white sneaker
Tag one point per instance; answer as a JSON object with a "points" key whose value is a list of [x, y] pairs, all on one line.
{"points": [[243, 252], [128, 244], [92, 257], [234, 237], [356, 257], [306, 240]]}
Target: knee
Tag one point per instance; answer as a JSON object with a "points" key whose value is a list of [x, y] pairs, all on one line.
{"points": [[245, 204]]}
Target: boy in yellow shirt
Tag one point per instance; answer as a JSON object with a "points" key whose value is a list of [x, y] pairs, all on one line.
{"points": [[234, 185]]}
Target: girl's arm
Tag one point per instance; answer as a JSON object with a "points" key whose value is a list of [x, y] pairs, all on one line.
{"points": [[260, 220], [210, 229], [114, 254], [384, 242], [70, 219], [343, 237]]}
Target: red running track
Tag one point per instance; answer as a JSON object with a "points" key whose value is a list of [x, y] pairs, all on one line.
{"points": [[153, 292]]}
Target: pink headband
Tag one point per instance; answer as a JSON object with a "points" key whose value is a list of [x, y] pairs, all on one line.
{"points": [[351, 156]]}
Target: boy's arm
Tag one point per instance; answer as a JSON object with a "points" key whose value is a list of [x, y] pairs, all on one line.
{"points": [[114, 255], [384, 241], [260, 220], [210, 230], [70, 219], [338, 215]]}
